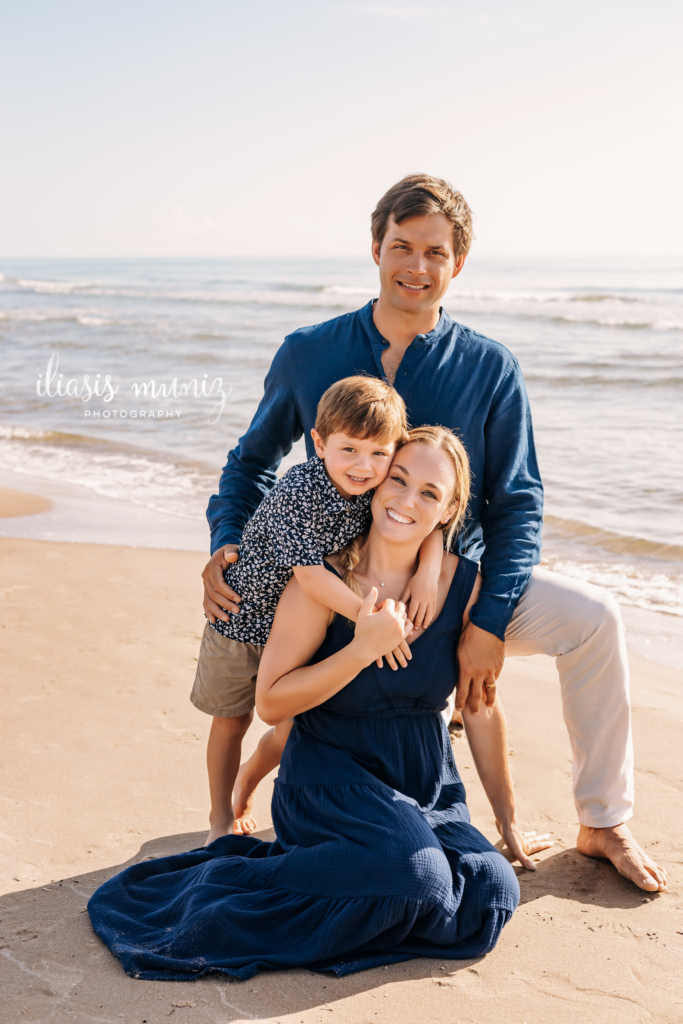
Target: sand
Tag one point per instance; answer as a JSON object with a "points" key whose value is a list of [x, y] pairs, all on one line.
{"points": [[103, 765], [19, 503]]}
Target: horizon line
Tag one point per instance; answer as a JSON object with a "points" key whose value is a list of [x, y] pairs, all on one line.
{"points": [[347, 256]]}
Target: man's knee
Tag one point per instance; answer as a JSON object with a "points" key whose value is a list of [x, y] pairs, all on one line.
{"points": [[570, 610], [605, 613]]}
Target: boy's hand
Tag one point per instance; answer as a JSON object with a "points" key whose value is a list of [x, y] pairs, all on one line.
{"points": [[420, 598], [219, 598]]}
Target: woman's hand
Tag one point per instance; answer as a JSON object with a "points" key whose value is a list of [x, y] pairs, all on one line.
{"points": [[400, 655], [523, 845], [381, 630]]}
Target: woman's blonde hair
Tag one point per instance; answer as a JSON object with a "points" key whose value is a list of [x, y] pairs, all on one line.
{"points": [[446, 441], [443, 440]]}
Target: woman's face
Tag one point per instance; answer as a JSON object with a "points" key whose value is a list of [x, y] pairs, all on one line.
{"points": [[416, 494]]}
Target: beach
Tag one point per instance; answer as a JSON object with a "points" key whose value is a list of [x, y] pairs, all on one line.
{"points": [[103, 765], [104, 480], [131, 379]]}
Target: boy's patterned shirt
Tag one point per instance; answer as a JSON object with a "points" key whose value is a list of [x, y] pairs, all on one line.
{"points": [[302, 519]]}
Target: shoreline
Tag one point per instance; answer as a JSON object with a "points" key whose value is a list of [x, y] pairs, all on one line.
{"points": [[103, 760], [79, 515]]}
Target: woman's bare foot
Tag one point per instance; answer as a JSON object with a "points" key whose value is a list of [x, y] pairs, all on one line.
{"points": [[242, 803], [629, 858]]}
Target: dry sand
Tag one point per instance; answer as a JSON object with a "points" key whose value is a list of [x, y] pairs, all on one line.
{"points": [[103, 765]]}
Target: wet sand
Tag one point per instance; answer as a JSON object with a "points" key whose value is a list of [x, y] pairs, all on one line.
{"points": [[103, 765], [19, 503]]}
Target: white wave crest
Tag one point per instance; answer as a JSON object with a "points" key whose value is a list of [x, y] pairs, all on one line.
{"points": [[164, 486], [630, 584]]}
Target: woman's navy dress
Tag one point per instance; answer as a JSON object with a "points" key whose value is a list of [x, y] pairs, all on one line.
{"points": [[375, 859]]}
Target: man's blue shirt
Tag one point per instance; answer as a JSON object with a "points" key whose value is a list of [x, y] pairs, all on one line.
{"points": [[453, 377]]}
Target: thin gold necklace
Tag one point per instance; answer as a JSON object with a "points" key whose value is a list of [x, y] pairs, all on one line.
{"points": [[389, 584]]}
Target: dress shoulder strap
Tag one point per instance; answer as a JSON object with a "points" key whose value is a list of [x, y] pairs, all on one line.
{"points": [[459, 593]]}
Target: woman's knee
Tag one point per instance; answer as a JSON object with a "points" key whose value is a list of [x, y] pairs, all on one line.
{"points": [[494, 878]]}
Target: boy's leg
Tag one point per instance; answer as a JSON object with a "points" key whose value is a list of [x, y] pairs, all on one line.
{"points": [[224, 688], [223, 753], [266, 757], [580, 626]]}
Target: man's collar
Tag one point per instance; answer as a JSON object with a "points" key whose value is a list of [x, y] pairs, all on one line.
{"points": [[332, 499], [443, 326]]}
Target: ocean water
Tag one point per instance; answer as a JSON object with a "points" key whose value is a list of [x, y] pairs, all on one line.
{"points": [[600, 343]]}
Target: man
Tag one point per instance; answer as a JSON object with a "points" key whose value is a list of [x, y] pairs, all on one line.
{"points": [[450, 375]]}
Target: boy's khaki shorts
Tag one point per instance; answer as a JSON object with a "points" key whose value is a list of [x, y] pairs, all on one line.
{"points": [[225, 684]]}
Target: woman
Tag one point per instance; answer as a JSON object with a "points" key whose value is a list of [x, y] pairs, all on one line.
{"points": [[375, 859]]}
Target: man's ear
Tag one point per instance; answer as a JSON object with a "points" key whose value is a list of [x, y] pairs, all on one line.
{"points": [[319, 443], [375, 252], [459, 264]]}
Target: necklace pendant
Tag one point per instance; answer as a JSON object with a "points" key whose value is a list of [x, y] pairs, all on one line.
{"points": [[381, 584]]}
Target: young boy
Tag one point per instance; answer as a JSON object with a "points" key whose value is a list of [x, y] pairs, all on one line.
{"points": [[313, 511]]}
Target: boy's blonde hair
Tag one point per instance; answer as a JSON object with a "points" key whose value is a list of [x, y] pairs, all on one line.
{"points": [[362, 407], [447, 442]]}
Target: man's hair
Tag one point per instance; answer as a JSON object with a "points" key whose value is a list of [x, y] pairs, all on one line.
{"points": [[421, 195], [362, 407]]}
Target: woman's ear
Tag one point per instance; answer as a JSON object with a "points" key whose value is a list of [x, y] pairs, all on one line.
{"points": [[319, 443], [451, 512]]}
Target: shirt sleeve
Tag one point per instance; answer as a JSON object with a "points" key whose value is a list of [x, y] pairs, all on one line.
{"points": [[512, 514], [292, 530], [250, 471]]}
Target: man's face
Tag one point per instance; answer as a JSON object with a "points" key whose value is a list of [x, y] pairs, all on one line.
{"points": [[416, 262]]}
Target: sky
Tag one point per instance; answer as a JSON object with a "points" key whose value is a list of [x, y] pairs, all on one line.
{"points": [[225, 128]]}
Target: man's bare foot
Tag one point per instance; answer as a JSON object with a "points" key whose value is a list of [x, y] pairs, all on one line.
{"points": [[242, 803], [629, 858], [216, 831]]}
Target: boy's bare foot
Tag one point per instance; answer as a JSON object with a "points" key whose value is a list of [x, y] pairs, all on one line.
{"points": [[242, 803], [244, 825], [617, 845], [216, 831], [456, 726]]}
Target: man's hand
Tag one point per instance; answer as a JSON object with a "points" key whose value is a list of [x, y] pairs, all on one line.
{"points": [[481, 656], [217, 594]]}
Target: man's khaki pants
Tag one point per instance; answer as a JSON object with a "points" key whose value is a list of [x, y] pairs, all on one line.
{"points": [[580, 626]]}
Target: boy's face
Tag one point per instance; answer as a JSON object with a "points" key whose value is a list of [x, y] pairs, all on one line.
{"points": [[354, 465]]}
